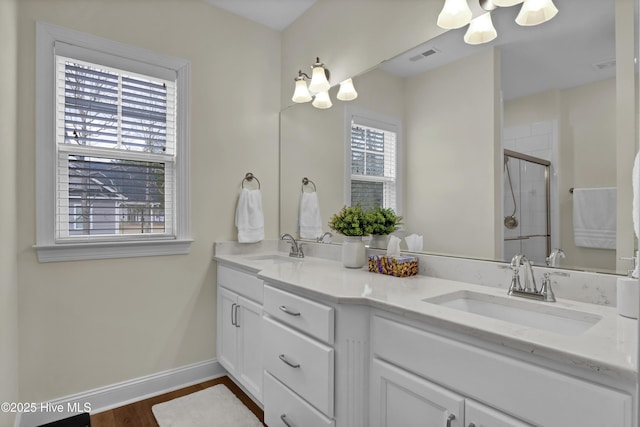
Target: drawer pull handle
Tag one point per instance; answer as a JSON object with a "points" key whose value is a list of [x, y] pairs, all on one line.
{"points": [[289, 312], [283, 417], [450, 418], [233, 310], [284, 359], [236, 316]]}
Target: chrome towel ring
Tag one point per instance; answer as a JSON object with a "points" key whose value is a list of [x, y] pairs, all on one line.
{"points": [[306, 181], [250, 177]]}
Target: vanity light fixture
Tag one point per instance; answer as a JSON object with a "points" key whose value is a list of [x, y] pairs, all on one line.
{"points": [[322, 100], [536, 12], [301, 94], [347, 92], [457, 14], [454, 14], [481, 30], [319, 86]]}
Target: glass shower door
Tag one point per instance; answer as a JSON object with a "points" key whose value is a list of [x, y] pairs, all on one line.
{"points": [[526, 207]]}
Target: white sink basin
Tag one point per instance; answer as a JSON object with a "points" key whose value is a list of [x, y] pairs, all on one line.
{"points": [[272, 259], [539, 315]]}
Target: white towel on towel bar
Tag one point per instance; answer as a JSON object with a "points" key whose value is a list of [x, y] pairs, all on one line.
{"points": [[249, 216], [594, 217], [309, 221]]}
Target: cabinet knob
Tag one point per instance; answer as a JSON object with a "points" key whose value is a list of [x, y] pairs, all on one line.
{"points": [[472, 425], [283, 417], [287, 310], [284, 359], [450, 418]]}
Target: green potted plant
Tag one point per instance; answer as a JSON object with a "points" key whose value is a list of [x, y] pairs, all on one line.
{"points": [[384, 221], [353, 223]]}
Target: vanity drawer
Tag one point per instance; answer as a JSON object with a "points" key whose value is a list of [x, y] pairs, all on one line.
{"points": [[301, 313], [241, 283], [303, 364], [507, 384], [280, 402]]}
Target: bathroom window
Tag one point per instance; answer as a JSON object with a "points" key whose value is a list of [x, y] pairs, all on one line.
{"points": [[112, 136], [373, 158]]}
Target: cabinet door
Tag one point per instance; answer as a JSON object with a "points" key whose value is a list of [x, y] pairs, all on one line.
{"points": [[227, 343], [479, 415], [250, 346], [399, 398]]}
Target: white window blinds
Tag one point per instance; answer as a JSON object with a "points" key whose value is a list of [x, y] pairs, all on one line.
{"points": [[116, 153], [373, 163]]}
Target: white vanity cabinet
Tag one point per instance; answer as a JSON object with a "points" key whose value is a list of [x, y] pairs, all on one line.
{"points": [[298, 357], [400, 398], [444, 376], [239, 330]]}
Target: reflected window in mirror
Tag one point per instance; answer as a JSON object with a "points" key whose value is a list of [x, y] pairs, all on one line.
{"points": [[372, 153]]}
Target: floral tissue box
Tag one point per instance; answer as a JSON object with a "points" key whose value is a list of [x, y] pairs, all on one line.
{"points": [[402, 266]]}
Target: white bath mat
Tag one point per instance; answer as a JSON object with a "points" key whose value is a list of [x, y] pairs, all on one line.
{"points": [[212, 407]]}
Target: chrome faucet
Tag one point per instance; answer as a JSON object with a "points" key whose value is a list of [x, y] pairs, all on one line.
{"points": [[552, 259], [529, 290], [296, 247], [321, 238]]}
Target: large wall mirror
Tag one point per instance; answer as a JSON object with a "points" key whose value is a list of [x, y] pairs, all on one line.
{"points": [[506, 129]]}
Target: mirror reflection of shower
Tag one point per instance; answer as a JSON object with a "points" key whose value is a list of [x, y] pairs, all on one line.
{"points": [[510, 221], [526, 191]]}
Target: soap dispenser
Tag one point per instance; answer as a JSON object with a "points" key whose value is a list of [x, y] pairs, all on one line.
{"points": [[627, 291]]}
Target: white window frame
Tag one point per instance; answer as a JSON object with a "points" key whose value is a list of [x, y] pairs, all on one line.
{"points": [[47, 248], [379, 121]]}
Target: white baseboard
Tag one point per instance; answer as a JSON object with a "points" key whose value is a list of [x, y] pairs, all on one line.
{"points": [[115, 395]]}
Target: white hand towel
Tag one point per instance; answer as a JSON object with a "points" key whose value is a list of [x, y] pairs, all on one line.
{"points": [[309, 221], [594, 217], [249, 216]]}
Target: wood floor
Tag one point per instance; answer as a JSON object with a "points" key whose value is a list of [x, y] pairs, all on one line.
{"points": [[139, 413]]}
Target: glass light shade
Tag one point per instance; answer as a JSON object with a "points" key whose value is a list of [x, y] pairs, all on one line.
{"points": [[534, 12], [481, 30], [347, 91], [319, 82], [322, 100], [506, 3], [454, 14], [301, 94]]}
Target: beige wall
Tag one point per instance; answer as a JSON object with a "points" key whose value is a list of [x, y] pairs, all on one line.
{"points": [[313, 144], [8, 218], [452, 146], [94, 323]]}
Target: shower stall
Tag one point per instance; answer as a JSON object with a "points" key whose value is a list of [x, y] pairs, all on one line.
{"points": [[527, 207]]}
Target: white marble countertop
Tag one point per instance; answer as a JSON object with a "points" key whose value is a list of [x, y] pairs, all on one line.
{"points": [[609, 347]]}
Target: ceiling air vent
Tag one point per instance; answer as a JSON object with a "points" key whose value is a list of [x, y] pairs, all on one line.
{"points": [[424, 54], [605, 65]]}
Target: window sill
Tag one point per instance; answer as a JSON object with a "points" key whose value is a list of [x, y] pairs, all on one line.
{"points": [[108, 250]]}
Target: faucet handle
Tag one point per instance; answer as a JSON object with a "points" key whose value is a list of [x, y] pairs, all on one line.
{"points": [[545, 289], [515, 280]]}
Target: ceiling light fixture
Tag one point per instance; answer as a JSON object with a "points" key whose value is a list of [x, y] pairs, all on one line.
{"points": [[457, 14], [319, 86]]}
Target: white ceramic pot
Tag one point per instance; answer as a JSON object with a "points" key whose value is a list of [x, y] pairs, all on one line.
{"points": [[379, 241], [353, 252]]}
